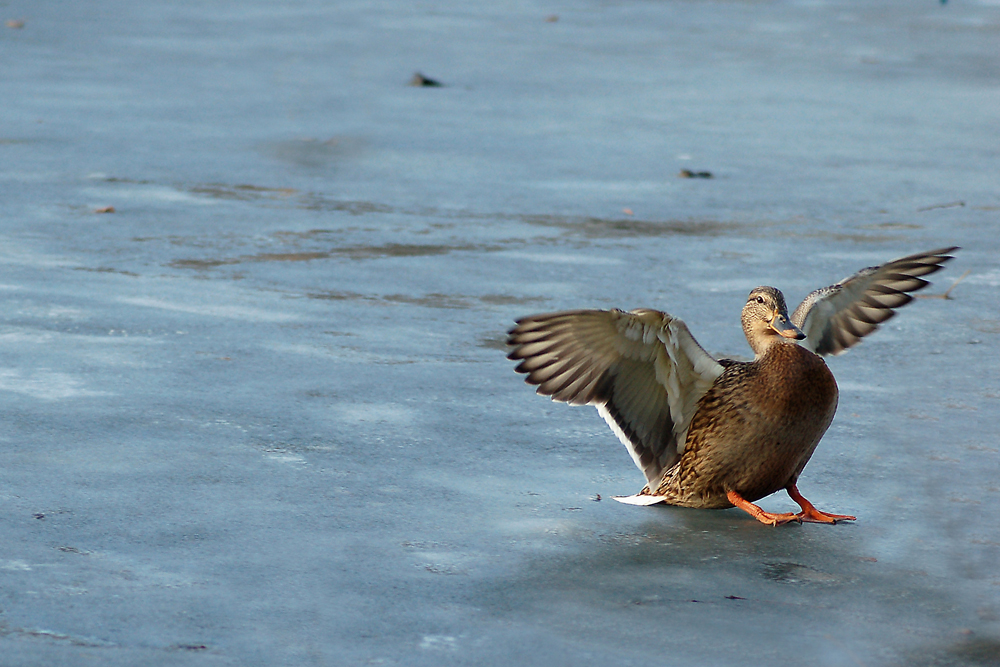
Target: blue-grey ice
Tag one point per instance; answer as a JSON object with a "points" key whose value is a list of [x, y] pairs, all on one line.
{"points": [[260, 414]]}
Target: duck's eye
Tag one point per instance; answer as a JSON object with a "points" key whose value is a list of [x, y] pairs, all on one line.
{"points": [[759, 299]]}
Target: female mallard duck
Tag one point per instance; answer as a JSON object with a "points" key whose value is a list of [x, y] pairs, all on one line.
{"points": [[713, 433]]}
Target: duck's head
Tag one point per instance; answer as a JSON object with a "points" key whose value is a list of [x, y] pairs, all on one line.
{"points": [[765, 319]]}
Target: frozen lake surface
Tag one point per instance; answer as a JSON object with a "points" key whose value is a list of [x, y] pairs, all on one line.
{"points": [[260, 414]]}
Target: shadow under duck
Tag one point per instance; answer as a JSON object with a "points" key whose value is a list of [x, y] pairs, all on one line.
{"points": [[710, 433]]}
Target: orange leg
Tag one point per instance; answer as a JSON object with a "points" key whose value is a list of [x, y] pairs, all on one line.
{"points": [[764, 517], [810, 513]]}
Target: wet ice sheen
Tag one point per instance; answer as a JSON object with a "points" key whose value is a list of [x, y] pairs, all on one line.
{"points": [[260, 415]]}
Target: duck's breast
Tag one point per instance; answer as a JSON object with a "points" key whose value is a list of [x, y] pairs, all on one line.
{"points": [[759, 424]]}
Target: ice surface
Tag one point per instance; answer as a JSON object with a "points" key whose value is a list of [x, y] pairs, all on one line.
{"points": [[261, 414]]}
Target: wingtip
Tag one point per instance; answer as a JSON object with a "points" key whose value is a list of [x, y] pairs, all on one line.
{"points": [[943, 253]]}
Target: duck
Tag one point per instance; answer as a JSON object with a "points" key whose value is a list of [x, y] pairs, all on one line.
{"points": [[713, 433]]}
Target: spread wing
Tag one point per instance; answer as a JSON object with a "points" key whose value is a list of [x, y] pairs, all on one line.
{"points": [[837, 317], [643, 370]]}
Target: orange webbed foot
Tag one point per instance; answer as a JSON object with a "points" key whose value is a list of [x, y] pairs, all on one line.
{"points": [[767, 518], [812, 515]]}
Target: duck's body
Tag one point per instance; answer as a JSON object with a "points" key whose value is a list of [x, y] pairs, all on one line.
{"points": [[754, 430], [714, 434]]}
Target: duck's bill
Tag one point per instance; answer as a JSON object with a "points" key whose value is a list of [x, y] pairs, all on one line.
{"points": [[783, 327]]}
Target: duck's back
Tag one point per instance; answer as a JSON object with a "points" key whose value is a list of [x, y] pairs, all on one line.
{"points": [[755, 429]]}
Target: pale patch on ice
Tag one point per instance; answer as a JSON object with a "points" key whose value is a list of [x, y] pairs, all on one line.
{"points": [[22, 335], [44, 384], [117, 358], [734, 285], [991, 277], [65, 312], [379, 412], [284, 457], [302, 349], [15, 565], [53, 312], [149, 193], [535, 527], [607, 186], [230, 312], [15, 336], [76, 640], [439, 642], [143, 573], [347, 353], [549, 258], [861, 386], [12, 253]]}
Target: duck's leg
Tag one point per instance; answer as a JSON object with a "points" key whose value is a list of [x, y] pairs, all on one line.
{"points": [[813, 515], [764, 517]]}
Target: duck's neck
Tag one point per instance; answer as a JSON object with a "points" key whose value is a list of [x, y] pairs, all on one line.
{"points": [[769, 344], [762, 345], [762, 337]]}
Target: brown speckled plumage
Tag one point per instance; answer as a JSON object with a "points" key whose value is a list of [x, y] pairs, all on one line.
{"points": [[714, 434], [754, 430]]}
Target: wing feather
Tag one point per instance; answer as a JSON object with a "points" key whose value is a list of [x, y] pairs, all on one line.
{"points": [[643, 370], [837, 317]]}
